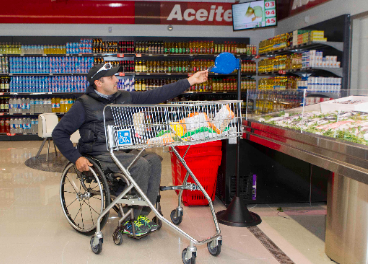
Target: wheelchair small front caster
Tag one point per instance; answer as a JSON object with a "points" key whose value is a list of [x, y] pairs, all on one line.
{"points": [[191, 260], [214, 250], [117, 237], [96, 248], [176, 219]]}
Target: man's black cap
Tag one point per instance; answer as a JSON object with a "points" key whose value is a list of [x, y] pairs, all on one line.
{"points": [[92, 76]]}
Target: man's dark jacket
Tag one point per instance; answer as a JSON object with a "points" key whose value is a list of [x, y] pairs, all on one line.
{"points": [[87, 115]]}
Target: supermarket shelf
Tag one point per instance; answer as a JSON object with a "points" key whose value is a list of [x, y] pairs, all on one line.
{"points": [[43, 93], [306, 46], [24, 114], [121, 55], [336, 71], [45, 74], [19, 137]]}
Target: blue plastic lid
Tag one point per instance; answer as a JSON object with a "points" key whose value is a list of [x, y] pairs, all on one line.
{"points": [[225, 63]]}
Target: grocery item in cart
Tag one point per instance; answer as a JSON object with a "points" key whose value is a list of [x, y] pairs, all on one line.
{"points": [[177, 128], [162, 140], [222, 119], [138, 123], [195, 121]]}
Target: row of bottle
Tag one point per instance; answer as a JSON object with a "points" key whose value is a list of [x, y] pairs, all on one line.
{"points": [[248, 66], [172, 66], [35, 105], [127, 66], [4, 84], [4, 65], [84, 46], [50, 64], [284, 62], [278, 83], [55, 84], [223, 85], [19, 125], [23, 126], [162, 47]]}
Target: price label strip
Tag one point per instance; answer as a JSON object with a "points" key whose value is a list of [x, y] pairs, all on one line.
{"points": [[270, 13]]}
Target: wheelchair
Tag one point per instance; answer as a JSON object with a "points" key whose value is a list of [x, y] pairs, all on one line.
{"points": [[84, 196], [87, 198]]}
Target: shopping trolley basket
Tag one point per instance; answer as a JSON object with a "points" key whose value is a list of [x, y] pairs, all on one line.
{"points": [[148, 126]]}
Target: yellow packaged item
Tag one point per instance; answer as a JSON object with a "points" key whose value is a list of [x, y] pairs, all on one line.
{"points": [[177, 128]]}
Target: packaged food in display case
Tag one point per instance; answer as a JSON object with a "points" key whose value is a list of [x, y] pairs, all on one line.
{"points": [[350, 103]]}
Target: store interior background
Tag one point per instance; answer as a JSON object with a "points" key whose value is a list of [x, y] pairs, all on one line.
{"points": [[358, 9]]}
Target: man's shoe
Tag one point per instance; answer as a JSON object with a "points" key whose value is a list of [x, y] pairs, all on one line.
{"points": [[147, 222], [140, 229]]}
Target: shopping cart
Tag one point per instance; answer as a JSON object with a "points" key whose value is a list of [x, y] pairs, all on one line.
{"points": [[165, 125]]}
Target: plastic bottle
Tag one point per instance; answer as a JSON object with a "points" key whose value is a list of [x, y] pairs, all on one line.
{"points": [[49, 104], [28, 122], [53, 109], [19, 105], [23, 105], [17, 126], [11, 106], [28, 105], [32, 105], [24, 125], [12, 126], [57, 105]]}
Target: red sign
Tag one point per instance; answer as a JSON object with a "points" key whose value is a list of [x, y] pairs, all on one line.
{"points": [[115, 12], [297, 6]]}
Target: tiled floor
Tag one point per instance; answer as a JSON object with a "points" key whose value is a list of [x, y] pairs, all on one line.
{"points": [[33, 228]]}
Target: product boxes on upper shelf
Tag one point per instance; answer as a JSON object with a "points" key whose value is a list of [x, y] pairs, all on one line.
{"points": [[350, 103], [315, 58], [305, 36]]}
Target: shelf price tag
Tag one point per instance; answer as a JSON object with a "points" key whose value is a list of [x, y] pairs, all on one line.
{"points": [[1, 114], [1, 93], [120, 55], [138, 55], [121, 74], [282, 72]]}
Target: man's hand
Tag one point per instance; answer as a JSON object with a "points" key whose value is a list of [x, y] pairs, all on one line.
{"points": [[83, 164], [198, 77]]}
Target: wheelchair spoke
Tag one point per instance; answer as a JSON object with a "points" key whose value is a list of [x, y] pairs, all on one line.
{"points": [[76, 214], [91, 212], [81, 213], [71, 203], [72, 184], [96, 198], [90, 207]]}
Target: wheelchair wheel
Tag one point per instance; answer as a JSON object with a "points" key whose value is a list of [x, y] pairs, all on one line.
{"points": [[83, 197]]}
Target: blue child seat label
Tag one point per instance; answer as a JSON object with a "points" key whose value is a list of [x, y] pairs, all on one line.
{"points": [[124, 137]]}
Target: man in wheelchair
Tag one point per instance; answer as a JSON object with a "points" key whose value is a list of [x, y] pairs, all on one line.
{"points": [[87, 115]]}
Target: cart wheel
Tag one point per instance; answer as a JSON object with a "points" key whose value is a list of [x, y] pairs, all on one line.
{"points": [[118, 238], [98, 248], [158, 222], [192, 260], [175, 220], [214, 251]]}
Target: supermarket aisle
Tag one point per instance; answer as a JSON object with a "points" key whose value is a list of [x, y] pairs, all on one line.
{"points": [[34, 230]]}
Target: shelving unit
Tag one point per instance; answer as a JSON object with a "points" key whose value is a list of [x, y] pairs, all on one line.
{"points": [[191, 95]]}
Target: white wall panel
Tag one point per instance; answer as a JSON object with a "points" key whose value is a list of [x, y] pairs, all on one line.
{"points": [[132, 30], [321, 13]]}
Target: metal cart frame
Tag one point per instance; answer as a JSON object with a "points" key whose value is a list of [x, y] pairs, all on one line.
{"points": [[137, 127]]}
